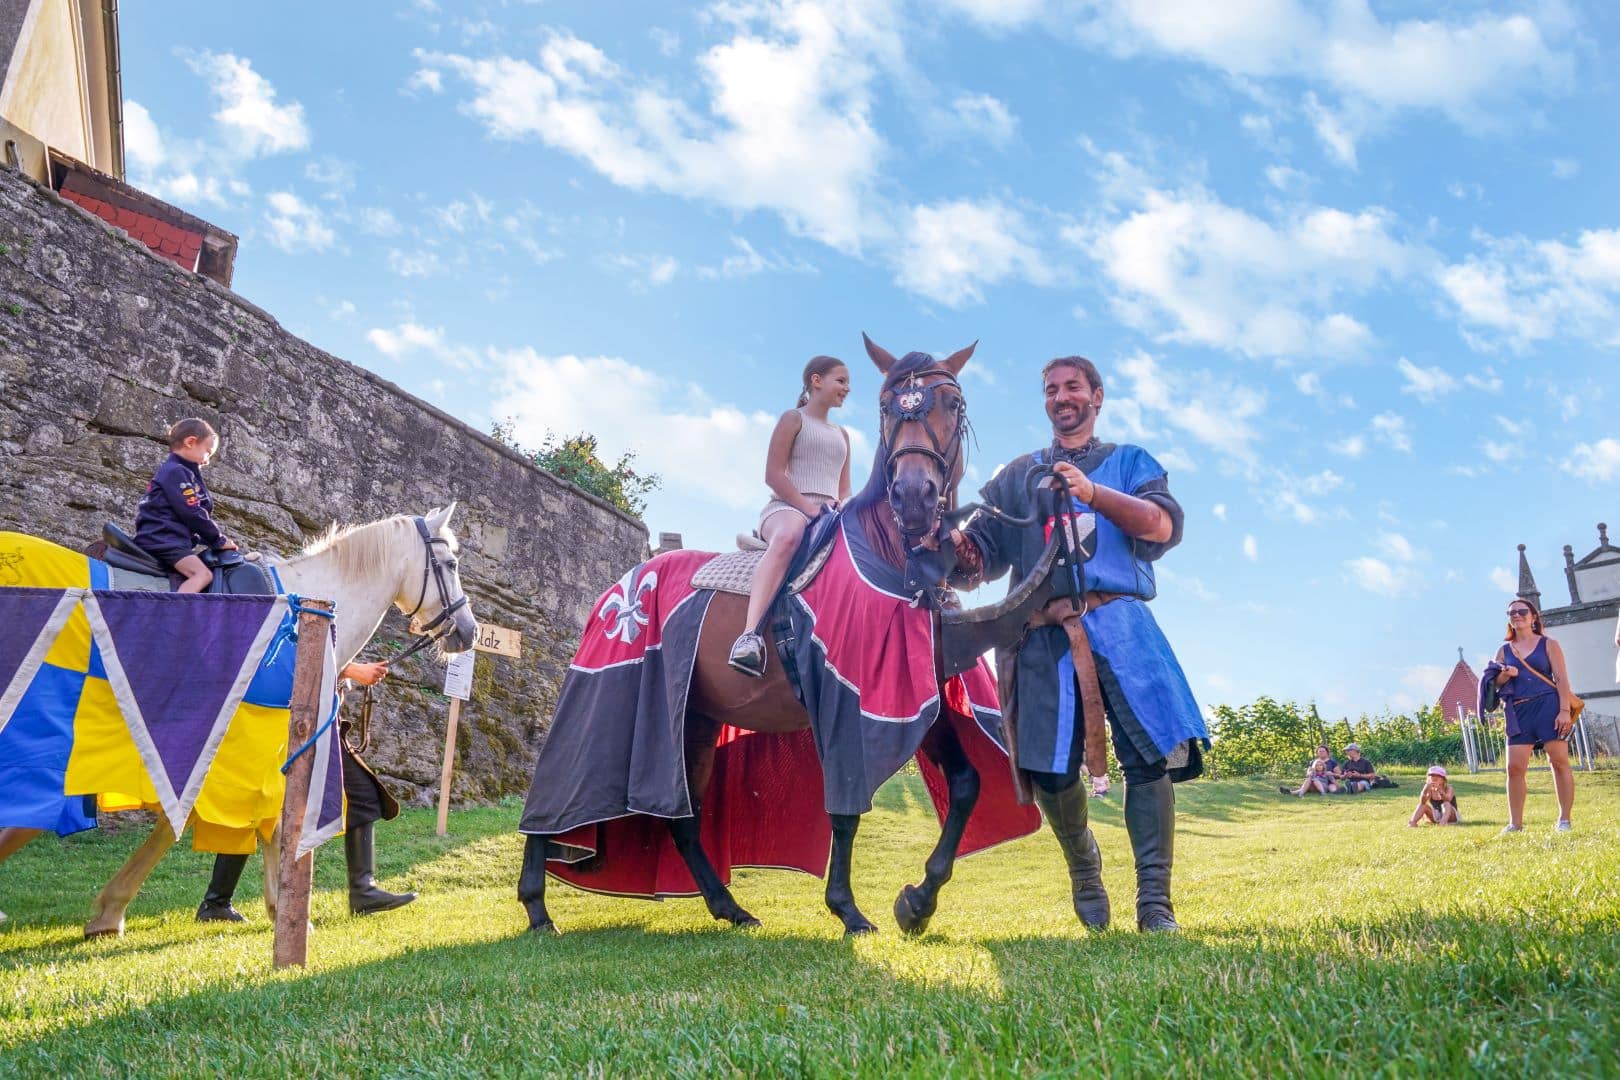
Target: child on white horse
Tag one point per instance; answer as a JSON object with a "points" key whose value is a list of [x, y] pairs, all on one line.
{"points": [[807, 469], [176, 513]]}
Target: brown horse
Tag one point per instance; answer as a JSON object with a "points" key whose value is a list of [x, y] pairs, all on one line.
{"points": [[918, 465]]}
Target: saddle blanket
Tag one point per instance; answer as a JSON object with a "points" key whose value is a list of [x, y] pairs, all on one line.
{"points": [[123, 700], [612, 766]]}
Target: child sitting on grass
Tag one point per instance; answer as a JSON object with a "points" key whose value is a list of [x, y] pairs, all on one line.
{"points": [[1437, 802], [175, 514]]}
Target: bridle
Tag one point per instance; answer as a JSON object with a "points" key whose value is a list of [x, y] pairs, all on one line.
{"points": [[434, 569], [911, 400]]}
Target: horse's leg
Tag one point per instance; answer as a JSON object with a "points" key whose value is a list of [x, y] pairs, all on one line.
{"points": [[840, 895], [532, 884], [686, 832], [12, 839], [916, 903], [108, 917]]}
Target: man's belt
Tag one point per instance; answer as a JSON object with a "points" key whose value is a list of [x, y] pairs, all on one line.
{"points": [[1061, 612]]}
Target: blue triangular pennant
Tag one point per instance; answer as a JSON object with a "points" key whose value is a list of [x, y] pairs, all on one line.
{"points": [[32, 619]]}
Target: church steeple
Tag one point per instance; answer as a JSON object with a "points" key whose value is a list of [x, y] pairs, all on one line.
{"points": [[1527, 583]]}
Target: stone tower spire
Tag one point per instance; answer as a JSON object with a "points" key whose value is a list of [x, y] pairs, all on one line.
{"points": [[1527, 583]]}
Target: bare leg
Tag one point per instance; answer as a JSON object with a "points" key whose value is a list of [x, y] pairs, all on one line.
{"points": [[1518, 766], [198, 577], [916, 903], [1563, 777], [114, 899], [840, 894], [782, 532]]}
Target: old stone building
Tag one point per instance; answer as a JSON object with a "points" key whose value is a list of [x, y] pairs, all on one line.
{"points": [[104, 342], [1586, 626]]}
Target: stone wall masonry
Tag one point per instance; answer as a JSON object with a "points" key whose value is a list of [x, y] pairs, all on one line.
{"points": [[103, 345]]}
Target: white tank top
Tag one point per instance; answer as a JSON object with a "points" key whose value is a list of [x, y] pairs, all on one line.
{"points": [[816, 462]]}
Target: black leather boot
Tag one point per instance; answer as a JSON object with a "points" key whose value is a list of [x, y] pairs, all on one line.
{"points": [[364, 895], [216, 905], [1066, 812], [1150, 818]]}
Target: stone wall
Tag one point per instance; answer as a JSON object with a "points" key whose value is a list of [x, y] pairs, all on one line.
{"points": [[103, 345]]}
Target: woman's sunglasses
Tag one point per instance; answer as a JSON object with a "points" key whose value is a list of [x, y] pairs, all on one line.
{"points": [[1518, 613]]}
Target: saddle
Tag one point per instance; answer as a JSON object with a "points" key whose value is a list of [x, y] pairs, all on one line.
{"points": [[233, 575], [733, 571]]}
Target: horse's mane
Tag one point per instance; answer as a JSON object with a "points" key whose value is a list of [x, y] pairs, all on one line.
{"points": [[360, 550], [871, 502]]}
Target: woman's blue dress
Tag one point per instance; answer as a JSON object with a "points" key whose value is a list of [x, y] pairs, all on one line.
{"points": [[1531, 704]]}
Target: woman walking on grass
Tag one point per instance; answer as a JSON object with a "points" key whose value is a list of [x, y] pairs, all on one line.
{"points": [[1532, 683]]}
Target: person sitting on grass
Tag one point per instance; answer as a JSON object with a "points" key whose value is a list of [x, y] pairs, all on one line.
{"points": [[1437, 802], [1318, 775], [1356, 773]]}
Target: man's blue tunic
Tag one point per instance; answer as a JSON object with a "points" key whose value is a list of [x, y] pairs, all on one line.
{"points": [[1144, 688]]}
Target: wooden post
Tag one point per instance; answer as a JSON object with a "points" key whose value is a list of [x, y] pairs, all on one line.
{"points": [[292, 899], [449, 765]]}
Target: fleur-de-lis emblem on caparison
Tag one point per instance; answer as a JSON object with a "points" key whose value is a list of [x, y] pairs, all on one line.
{"points": [[622, 611]]}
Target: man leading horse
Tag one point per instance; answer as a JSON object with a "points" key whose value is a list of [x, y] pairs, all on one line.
{"points": [[1096, 649]]}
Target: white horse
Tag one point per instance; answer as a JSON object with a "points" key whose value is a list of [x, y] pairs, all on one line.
{"points": [[363, 569]]}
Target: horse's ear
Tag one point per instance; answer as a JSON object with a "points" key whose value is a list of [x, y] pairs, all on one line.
{"points": [[882, 357], [958, 359], [438, 519]]}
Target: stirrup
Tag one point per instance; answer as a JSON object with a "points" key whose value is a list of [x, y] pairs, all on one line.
{"points": [[748, 655]]}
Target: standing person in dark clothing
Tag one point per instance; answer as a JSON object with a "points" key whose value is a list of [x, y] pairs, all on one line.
{"points": [[1070, 672], [175, 514], [367, 802]]}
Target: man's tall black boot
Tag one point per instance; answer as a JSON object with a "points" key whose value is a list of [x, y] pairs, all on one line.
{"points": [[1150, 818], [216, 905], [1066, 812], [364, 895]]}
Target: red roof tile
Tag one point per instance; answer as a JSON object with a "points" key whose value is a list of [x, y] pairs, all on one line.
{"points": [[1461, 692]]}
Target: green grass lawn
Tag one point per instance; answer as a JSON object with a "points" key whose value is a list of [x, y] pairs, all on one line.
{"points": [[1322, 937]]}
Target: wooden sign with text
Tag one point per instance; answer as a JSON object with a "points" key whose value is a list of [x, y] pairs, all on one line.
{"points": [[499, 640]]}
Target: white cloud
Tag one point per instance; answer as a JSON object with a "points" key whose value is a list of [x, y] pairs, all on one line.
{"points": [[782, 124], [952, 250], [1390, 429], [986, 117], [1427, 384], [295, 226], [1396, 546], [1597, 462], [1251, 548], [1518, 292], [1295, 496], [645, 270], [1504, 580], [425, 79], [1352, 446], [142, 140], [1192, 269], [1378, 576], [252, 120], [1564, 168], [745, 261], [378, 221], [419, 263], [701, 446], [1497, 452], [1212, 410], [1487, 380], [406, 338], [1219, 511]]}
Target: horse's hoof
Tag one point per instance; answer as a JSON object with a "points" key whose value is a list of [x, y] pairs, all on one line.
{"points": [[747, 922], [908, 911], [860, 929], [545, 929], [115, 932]]}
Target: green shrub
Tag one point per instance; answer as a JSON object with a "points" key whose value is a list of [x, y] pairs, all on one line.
{"points": [[575, 459]]}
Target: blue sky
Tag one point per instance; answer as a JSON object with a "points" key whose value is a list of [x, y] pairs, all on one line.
{"points": [[1351, 270]]}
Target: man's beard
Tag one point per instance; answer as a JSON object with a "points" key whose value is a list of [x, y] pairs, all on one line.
{"points": [[1072, 422]]}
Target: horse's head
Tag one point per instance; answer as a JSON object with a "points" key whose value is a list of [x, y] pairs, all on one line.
{"points": [[923, 427], [430, 591]]}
